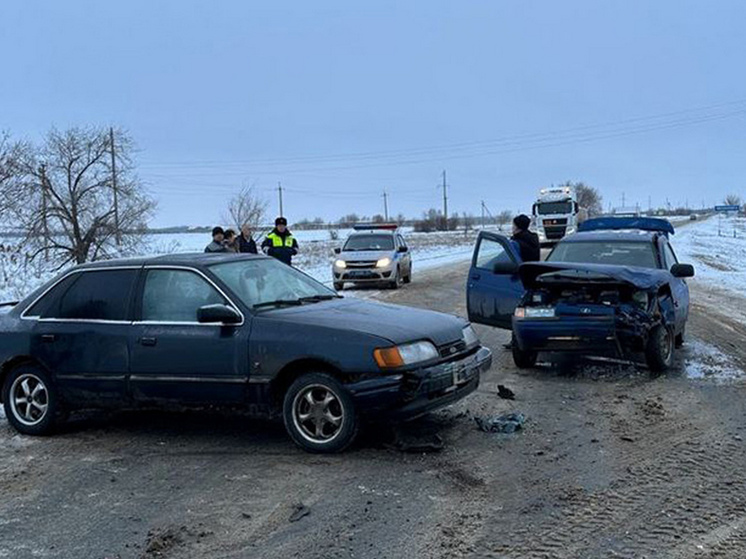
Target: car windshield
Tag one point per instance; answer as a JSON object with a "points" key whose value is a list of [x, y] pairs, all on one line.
{"points": [[370, 242], [547, 208], [266, 282], [619, 253]]}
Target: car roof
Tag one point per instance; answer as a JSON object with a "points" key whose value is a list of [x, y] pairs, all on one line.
{"points": [[192, 259], [627, 235], [372, 232]]}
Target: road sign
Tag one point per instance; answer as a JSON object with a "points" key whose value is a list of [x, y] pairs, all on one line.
{"points": [[728, 208]]}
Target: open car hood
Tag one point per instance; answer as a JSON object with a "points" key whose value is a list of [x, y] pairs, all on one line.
{"points": [[534, 273]]}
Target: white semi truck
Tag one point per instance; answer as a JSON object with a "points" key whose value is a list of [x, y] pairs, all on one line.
{"points": [[557, 213]]}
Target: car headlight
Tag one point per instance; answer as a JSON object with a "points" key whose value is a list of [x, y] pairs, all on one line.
{"points": [[340, 264], [407, 354], [470, 336], [383, 262]]}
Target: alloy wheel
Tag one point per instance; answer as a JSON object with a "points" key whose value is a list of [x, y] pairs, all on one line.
{"points": [[29, 399], [318, 413]]}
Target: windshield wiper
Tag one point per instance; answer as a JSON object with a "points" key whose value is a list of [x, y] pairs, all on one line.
{"points": [[317, 298], [278, 303]]}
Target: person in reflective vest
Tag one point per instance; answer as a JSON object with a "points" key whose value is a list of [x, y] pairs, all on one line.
{"points": [[280, 243]]}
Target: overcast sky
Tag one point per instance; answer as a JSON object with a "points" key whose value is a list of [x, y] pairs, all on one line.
{"points": [[341, 100]]}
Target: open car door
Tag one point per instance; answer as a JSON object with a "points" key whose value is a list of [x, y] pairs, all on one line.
{"points": [[493, 289]]}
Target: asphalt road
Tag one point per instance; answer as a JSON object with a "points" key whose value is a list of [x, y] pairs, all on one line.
{"points": [[610, 464]]}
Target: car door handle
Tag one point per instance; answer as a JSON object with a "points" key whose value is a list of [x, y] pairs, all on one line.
{"points": [[475, 276], [48, 338], [148, 341]]}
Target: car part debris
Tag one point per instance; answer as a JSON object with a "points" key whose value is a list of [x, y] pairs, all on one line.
{"points": [[506, 423], [505, 393]]}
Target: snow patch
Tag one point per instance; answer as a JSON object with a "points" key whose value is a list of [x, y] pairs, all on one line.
{"points": [[705, 361]]}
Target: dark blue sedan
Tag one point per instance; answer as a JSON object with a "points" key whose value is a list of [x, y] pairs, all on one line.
{"points": [[615, 287], [237, 330]]}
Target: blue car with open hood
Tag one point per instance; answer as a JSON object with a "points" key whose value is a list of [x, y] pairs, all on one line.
{"points": [[614, 288]]}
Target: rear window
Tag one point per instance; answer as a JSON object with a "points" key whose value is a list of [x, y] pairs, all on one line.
{"points": [[94, 295], [619, 253]]}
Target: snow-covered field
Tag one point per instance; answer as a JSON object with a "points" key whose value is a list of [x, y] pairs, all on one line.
{"points": [[19, 276], [717, 249]]}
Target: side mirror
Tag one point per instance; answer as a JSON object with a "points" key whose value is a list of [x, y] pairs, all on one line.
{"points": [[337, 250], [403, 249], [505, 268], [682, 271], [218, 314]]}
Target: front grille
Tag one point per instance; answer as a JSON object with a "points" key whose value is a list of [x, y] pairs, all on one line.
{"points": [[452, 349], [361, 264], [557, 221], [555, 232]]}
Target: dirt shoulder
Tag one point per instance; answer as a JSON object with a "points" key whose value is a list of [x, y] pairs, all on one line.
{"points": [[610, 464]]}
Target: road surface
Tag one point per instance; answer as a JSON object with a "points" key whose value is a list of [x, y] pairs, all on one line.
{"points": [[610, 464]]}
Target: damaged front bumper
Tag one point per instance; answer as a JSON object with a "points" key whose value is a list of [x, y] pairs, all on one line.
{"points": [[609, 334], [412, 393]]}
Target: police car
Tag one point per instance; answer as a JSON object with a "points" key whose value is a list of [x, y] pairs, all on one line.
{"points": [[373, 253]]}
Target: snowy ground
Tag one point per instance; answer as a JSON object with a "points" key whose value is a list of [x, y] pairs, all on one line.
{"points": [[19, 276], [717, 249]]}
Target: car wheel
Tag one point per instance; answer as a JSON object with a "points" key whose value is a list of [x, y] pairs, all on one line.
{"points": [[523, 359], [408, 277], [31, 400], [397, 281], [319, 414], [339, 286], [659, 350]]}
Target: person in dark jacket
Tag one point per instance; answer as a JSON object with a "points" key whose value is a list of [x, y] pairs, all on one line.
{"points": [[230, 240], [280, 243], [245, 242], [528, 242], [217, 244]]}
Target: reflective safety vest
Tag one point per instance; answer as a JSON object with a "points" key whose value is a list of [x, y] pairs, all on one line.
{"points": [[277, 241]]}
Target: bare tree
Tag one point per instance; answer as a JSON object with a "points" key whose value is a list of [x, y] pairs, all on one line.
{"points": [[732, 200], [12, 155], [588, 197], [504, 217], [246, 208], [66, 204]]}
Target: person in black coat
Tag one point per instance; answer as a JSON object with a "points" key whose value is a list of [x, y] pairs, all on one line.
{"points": [[245, 242], [528, 241]]}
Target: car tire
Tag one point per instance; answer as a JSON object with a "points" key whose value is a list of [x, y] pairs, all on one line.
{"points": [[408, 277], [31, 401], [397, 281], [659, 349], [523, 359], [339, 286], [319, 414], [680, 339]]}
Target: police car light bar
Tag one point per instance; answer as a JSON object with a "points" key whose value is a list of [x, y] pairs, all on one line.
{"points": [[375, 226]]}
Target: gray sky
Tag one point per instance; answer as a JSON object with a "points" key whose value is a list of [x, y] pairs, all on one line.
{"points": [[339, 100]]}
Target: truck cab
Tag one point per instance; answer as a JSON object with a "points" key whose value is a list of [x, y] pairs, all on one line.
{"points": [[556, 213]]}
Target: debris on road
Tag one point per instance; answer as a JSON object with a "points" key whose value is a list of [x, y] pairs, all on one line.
{"points": [[506, 423], [299, 511], [418, 443], [505, 393]]}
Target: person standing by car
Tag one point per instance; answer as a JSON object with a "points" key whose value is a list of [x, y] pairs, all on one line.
{"points": [[230, 240], [280, 243], [245, 242], [218, 238], [527, 241]]}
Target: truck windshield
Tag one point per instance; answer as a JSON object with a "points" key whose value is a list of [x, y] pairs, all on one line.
{"points": [[263, 280], [547, 208], [370, 242], [619, 253]]}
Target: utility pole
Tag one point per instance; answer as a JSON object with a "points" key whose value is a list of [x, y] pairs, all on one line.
{"points": [[444, 186], [624, 201], [44, 223], [385, 205], [117, 233], [279, 190], [482, 214]]}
